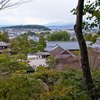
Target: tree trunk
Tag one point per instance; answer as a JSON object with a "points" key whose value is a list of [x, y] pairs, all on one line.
{"points": [[89, 86]]}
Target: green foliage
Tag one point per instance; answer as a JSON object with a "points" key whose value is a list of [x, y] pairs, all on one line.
{"points": [[29, 26], [2, 58], [29, 34], [20, 45], [42, 41], [12, 63], [40, 68], [40, 48], [51, 62], [33, 50], [67, 85], [46, 33], [59, 36], [4, 37], [21, 88], [92, 9], [32, 43], [18, 57], [12, 66], [88, 37], [93, 38], [30, 70], [77, 53], [73, 39]]}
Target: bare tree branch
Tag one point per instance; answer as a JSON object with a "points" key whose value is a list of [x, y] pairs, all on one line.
{"points": [[10, 3]]}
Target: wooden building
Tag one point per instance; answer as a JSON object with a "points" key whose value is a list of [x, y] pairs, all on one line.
{"points": [[4, 46], [61, 55]]}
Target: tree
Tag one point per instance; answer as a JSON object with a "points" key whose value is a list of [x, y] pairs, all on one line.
{"points": [[42, 41], [20, 45], [33, 50], [51, 62], [0, 36], [73, 39], [88, 37], [5, 37], [59, 36], [91, 9], [9, 3], [89, 86], [40, 48], [94, 37]]}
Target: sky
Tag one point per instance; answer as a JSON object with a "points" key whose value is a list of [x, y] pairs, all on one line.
{"points": [[39, 12]]}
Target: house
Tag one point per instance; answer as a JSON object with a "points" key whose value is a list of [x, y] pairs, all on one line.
{"points": [[60, 54], [4, 46], [66, 45]]}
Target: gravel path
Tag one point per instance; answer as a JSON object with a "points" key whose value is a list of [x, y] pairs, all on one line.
{"points": [[37, 62]]}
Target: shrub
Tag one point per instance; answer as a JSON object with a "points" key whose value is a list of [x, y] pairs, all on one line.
{"points": [[76, 53], [51, 62], [30, 70], [40, 68]]}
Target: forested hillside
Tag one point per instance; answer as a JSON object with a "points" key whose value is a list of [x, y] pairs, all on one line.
{"points": [[29, 26]]}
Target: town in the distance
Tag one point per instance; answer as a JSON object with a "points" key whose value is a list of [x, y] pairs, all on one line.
{"points": [[44, 41]]}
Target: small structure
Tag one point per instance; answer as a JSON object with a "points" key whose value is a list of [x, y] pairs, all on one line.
{"points": [[42, 54], [4, 46]]}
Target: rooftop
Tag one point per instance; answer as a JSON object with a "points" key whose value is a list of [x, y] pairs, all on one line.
{"points": [[66, 45], [3, 43], [60, 53], [42, 53]]}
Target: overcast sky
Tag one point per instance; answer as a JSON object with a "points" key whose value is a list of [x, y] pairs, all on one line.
{"points": [[39, 12]]}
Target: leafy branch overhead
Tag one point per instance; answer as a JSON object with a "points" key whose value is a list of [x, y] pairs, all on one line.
{"points": [[92, 10]]}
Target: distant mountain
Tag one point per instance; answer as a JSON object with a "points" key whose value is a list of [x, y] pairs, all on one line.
{"points": [[60, 25], [4, 26], [28, 26]]}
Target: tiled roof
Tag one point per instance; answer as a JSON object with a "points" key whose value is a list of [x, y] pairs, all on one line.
{"points": [[60, 53], [3, 43], [66, 45], [42, 53], [62, 56], [56, 51]]}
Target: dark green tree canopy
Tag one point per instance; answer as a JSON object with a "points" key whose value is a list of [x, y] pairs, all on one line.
{"points": [[59, 36]]}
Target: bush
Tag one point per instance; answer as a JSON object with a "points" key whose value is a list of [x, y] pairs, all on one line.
{"points": [[51, 62], [40, 68], [13, 66], [77, 53], [30, 70]]}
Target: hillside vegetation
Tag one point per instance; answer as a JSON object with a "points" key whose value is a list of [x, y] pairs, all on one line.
{"points": [[29, 26]]}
